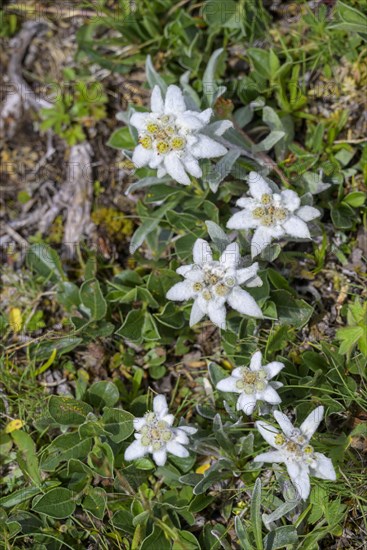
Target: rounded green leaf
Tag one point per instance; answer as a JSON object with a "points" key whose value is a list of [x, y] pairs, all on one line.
{"points": [[103, 394], [68, 411], [57, 503]]}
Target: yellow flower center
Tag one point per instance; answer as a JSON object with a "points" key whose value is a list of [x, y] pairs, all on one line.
{"points": [[152, 128], [266, 199], [197, 287], [162, 147], [221, 289], [177, 143], [279, 439], [146, 142]]}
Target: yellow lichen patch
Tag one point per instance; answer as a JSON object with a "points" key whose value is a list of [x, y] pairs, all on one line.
{"points": [[114, 222], [14, 425], [15, 319]]}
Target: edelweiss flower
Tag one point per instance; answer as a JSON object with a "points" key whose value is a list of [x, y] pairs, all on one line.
{"points": [[170, 138], [272, 215], [293, 448], [155, 434], [212, 284], [253, 384]]}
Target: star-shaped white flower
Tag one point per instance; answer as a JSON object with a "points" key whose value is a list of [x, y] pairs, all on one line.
{"points": [[155, 434], [253, 384], [170, 137], [212, 284], [272, 215], [293, 448]]}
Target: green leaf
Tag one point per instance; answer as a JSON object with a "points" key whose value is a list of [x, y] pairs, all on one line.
{"points": [[355, 199], [352, 20], [148, 226], [256, 515], [95, 501], [123, 519], [43, 259], [132, 326], [101, 459], [121, 139], [242, 534], [343, 216], [118, 424], [349, 337], [153, 77], [281, 537], [57, 503], [291, 311], [68, 411], [103, 394], [92, 298], [186, 540], [26, 455], [63, 448], [209, 76], [156, 539], [267, 143]]}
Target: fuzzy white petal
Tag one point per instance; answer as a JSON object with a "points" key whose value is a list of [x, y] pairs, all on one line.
{"points": [[247, 203], [141, 156], [196, 314], [246, 403], [169, 418], [255, 363], [311, 423], [295, 227], [139, 120], [181, 292], [241, 301], [135, 450], [156, 161], [284, 423], [231, 256], [217, 314], [188, 429], [202, 252], [270, 396], [193, 167], [206, 115], [161, 171], [160, 405], [242, 220], [324, 468], [207, 148], [256, 281], [290, 200], [160, 457], [273, 368], [228, 385], [188, 121], [156, 101], [139, 423], [260, 240], [174, 102], [258, 185], [246, 273], [222, 126], [181, 437], [177, 449], [300, 479], [268, 432], [308, 213], [271, 456], [183, 269], [175, 169]]}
